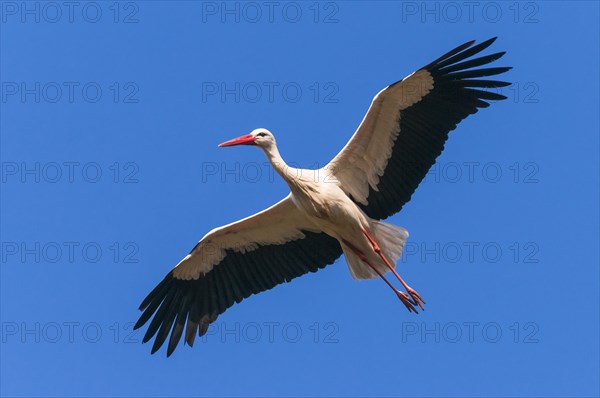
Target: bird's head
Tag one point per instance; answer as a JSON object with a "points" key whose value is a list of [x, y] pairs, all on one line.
{"points": [[259, 137]]}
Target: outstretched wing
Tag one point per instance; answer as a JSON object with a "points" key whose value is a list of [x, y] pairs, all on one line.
{"points": [[228, 265], [407, 125]]}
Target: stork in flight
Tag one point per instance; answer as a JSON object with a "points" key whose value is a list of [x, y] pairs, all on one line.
{"points": [[333, 210]]}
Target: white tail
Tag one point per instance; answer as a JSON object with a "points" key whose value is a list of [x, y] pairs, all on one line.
{"points": [[390, 238]]}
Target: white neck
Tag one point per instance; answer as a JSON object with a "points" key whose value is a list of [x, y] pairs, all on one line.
{"points": [[279, 164]]}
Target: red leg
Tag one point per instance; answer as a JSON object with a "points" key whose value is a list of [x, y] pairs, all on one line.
{"points": [[401, 295], [417, 299]]}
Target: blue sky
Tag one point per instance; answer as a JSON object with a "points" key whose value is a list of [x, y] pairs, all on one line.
{"points": [[110, 118]]}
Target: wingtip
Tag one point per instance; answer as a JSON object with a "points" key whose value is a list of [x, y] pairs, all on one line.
{"points": [[155, 348], [170, 350], [137, 325], [485, 44], [147, 337], [471, 42], [189, 340]]}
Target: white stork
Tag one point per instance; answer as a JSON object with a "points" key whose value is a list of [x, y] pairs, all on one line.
{"points": [[332, 210]]}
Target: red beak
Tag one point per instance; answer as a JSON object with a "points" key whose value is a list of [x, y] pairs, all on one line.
{"points": [[243, 140]]}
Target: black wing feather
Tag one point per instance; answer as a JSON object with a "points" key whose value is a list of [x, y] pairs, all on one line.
{"points": [[239, 275], [424, 126]]}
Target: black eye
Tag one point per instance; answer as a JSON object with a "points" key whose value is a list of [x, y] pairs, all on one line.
{"points": [[261, 134]]}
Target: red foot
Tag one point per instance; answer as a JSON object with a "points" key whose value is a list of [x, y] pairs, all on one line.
{"points": [[416, 297], [406, 301]]}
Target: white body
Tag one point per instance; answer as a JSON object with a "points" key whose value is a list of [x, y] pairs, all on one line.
{"points": [[318, 196]]}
